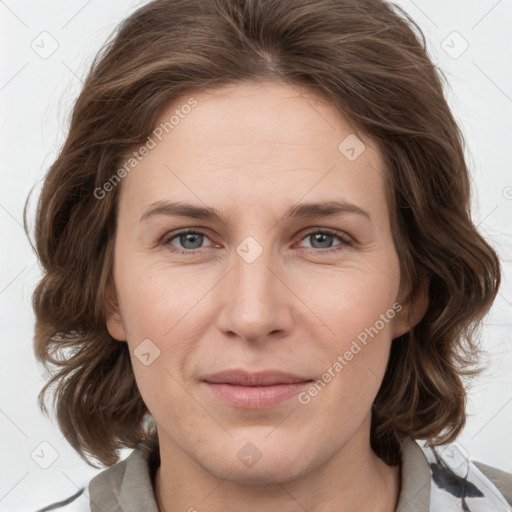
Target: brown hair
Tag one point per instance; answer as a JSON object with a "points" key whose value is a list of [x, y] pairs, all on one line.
{"points": [[371, 60]]}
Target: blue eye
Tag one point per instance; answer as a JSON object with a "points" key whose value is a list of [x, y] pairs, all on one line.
{"points": [[323, 237], [191, 240]]}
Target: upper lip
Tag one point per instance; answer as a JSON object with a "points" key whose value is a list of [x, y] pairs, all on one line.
{"points": [[262, 378]]}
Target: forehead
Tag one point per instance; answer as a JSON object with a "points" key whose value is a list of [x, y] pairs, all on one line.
{"points": [[261, 144]]}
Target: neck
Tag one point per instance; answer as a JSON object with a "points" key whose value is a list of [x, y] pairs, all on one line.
{"points": [[353, 479]]}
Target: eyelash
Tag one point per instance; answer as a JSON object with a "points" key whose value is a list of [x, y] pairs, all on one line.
{"points": [[345, 240]]}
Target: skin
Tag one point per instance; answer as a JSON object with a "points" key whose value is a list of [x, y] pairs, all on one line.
{"points": [[251, 151]]}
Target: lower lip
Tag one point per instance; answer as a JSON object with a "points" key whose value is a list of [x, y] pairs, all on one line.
{"points": [[255, 397]]}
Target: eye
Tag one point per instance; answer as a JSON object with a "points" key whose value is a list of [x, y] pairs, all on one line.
{"points": [[189, 240], [323, 240]]}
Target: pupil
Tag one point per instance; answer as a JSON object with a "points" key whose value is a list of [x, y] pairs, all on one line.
{"points": [[189, 237], [322, 238]]}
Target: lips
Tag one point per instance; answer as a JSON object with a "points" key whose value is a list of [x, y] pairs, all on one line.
{"points": [[256, 390], [262, 378]]}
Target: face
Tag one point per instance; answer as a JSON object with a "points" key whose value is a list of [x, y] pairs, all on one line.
{"points": [[267, 284]]}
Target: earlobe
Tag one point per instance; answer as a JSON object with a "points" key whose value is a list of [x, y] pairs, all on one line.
{"points": [[413, 309], [114, 323]]}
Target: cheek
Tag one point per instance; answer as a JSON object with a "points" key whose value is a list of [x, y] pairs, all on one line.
{"points": [[159, 296], [356, 309], [166, 396], [347, 300]]}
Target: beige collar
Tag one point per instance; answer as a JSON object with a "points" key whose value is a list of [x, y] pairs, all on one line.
{"points": [[416, 478]]}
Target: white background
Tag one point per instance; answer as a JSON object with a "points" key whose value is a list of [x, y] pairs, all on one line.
{"points": [[36, 95]]}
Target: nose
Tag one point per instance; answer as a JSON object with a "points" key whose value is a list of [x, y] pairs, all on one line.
{"points": [[257, 303]]}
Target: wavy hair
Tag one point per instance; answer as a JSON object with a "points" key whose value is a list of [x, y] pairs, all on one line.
{"points": [[370, 59]]}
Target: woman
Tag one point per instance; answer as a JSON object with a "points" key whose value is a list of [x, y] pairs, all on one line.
{"points": [[260, 268]]}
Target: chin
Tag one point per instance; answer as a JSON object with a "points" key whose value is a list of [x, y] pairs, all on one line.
{"points": [[263, 473], [260, 462]]}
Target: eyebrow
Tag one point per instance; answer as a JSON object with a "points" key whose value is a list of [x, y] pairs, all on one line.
{"points": [[298, 211]]}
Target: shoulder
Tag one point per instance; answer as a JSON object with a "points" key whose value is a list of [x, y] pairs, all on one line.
{"points": [[446, 478], [501, 479], [457, 478], [126, 485], [99, 490]]}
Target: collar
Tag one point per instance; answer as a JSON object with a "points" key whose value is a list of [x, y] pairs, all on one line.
{"points": [[431, 481], [415, 478]]}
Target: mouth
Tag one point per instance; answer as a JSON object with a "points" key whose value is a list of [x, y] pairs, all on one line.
{"points": [[254, 390]]}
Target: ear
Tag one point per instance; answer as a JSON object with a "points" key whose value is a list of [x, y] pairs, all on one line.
{"points": [[115, 324], [413, 309]]}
